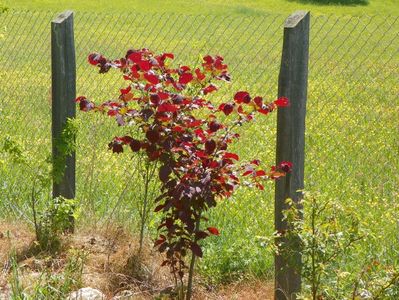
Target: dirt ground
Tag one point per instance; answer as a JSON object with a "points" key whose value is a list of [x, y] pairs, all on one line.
{"points": [[110, 265]]}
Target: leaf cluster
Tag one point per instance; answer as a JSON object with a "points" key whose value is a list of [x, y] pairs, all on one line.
{"points": [[188, 135]]}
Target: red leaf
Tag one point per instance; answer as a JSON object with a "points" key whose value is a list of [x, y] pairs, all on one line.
{"points": [[163, 95], [164, 173], [159, 242], [115, 147], [231, 155], [224, 76], [126, 90], [185, 78], [247, 172], [214, 126], [184, 69], [112, 112], [260, 173], [135, 145], [135, 57], [151, 78], [126, 139], [208, 59], [200, 134], [94, 58], [227, 108], [159, 207], [196, 249], [80, 98], [201, 154], [214, 164], [259, 186], [167, 107], [218, 63], [286, 166], [152, 135], [263, 111], [258, 101], [210, 146], [241, 97], [144, 65], [195, 123], [213, 230], [177, 129], [170, 55], [209, 89], [154, 98], [282, 102], [200, 76], [201, 235], [84, 104]]}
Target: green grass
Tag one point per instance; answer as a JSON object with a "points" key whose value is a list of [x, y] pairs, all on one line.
{"points": [[237, 7], [352, 134]]}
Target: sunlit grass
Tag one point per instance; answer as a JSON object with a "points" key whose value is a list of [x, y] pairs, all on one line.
{"points": [[351, 136], [236, 7]]}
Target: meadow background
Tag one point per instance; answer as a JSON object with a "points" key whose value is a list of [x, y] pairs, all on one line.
{"points": [[352, 129]]}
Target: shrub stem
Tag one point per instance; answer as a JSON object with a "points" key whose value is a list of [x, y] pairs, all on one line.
{"points": [[192, 263]]}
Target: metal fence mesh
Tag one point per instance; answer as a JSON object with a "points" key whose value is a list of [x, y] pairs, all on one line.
{"points": [[352, 134]]}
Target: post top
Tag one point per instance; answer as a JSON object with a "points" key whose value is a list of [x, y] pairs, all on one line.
{"points": [[295, 18], [63, 16]]}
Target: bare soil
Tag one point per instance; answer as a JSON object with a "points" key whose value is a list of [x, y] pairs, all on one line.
{"points": [[111, 264]]}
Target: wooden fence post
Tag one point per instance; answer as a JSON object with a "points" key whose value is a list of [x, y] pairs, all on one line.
{"points": [[63, 69], [293, 80]]}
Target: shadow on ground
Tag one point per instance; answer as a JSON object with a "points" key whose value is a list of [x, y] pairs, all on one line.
{"points": [[333, 2]]}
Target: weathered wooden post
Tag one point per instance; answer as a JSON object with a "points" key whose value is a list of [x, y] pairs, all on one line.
{"points": [[293, 80], [63, 69]]}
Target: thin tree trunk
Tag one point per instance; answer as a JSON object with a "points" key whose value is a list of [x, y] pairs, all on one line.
{"points": [[192, 264], [144, 212]]}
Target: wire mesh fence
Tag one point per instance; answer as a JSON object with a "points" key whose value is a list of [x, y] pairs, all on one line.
{"points": [[352, 131]]}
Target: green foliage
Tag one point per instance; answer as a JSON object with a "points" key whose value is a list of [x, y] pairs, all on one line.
{"points": [[244, 248], [15, 284], [54, 221], [57, 286], [14, 150], [328, 240], [19, 157], [65, 146], [54, 218], [328, 235], [228, 261]]}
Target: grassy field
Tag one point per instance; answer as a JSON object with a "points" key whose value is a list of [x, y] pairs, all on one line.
{"points": [[352, 134], [248, 8]]}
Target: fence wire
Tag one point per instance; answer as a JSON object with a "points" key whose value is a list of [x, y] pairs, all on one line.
{"points": [[352, 131]]}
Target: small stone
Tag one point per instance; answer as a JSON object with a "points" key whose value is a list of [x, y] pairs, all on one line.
{"points": [[87, 293], [125, 295]]}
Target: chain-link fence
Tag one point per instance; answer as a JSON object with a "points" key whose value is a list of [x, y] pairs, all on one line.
{"points": [[352, 130]]}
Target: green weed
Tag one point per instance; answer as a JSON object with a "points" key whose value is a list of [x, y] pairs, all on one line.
{"points": [[49, 284]]}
